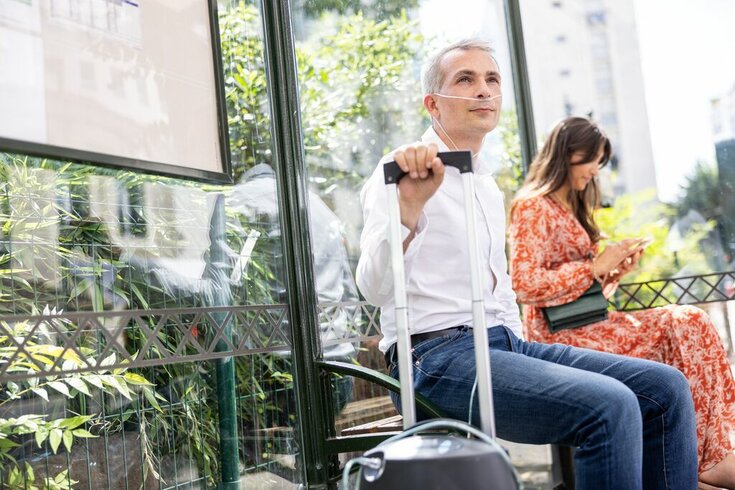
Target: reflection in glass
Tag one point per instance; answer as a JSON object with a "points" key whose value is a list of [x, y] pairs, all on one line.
{"points": [[134, 290]]}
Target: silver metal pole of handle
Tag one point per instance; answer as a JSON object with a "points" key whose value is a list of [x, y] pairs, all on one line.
{"points": [[405, 368], [482, 351], [461, 160]]}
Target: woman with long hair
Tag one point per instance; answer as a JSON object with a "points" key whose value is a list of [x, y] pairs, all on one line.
{"points": [[555, 258]]}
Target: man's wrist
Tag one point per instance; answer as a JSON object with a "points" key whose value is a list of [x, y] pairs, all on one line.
{"points": [[410, 216]]}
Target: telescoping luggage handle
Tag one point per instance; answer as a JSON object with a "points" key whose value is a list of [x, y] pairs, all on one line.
{"points": [[462, 160]]}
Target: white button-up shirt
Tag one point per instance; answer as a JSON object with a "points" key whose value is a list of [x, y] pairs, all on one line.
{"points": [[437, 259]]}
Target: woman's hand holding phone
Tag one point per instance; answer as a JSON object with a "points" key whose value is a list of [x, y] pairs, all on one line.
{"points": [[620, 258], [610, 258], [636, 246], [639, 244]]}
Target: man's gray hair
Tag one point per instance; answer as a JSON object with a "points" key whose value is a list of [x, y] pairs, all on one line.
{"points": [[434, 75]]}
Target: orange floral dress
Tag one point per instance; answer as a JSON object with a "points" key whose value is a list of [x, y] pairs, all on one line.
{"points": [[551, 265]]}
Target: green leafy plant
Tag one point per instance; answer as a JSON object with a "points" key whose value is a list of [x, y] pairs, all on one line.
{"points": [[25, 478], [33, 361], [509, 176]]}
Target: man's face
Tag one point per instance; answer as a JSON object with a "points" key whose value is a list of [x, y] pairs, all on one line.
{"points": [[471, 73]]}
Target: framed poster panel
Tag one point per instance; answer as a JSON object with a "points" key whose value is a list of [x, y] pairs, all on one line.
{"points": [[124, 83]]}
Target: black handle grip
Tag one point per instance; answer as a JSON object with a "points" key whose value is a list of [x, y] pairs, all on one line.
{"points": [[461, 160]]}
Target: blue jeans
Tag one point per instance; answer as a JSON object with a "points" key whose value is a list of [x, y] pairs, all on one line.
{"points": [[631, 420]]}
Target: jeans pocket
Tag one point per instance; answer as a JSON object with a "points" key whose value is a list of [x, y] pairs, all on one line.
{"points": [[429, 348]]}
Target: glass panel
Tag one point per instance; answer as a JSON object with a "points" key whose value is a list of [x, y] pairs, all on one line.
{"points": [[615, 63], [359, 66], [139, 312], [658, 77]]}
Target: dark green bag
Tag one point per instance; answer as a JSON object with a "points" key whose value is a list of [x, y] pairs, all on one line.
{"points": [[591, 307]]}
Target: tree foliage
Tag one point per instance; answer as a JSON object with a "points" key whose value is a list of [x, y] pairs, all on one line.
{"points": [[78, 389], [701, 192], [510, 175], [641, 215], [340, 77], [378, 8]]}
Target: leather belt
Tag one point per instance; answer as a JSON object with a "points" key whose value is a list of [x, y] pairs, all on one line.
{"points": [[421, 337]]}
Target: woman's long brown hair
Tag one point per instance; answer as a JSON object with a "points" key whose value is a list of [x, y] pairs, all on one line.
{"points": [[550, 170]]}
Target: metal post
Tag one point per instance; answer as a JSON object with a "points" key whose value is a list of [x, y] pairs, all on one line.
{"points": [[225, 367], [293, 204], [521, 84]]}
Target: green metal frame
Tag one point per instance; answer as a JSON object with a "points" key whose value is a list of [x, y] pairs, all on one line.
{"points": [[521, 83], [380, 379], [290, 167], [225, 367]]}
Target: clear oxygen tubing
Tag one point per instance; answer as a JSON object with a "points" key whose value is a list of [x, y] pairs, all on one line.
{"points": [[473, 99]]}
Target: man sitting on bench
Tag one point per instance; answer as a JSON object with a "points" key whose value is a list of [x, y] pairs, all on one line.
{"points": [[632, 420]]}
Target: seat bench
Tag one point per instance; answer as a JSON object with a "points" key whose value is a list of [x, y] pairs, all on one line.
{"points": [[388, 424]]}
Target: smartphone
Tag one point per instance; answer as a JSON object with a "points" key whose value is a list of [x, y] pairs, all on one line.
{"points": [[641, 244], [644, 242]]}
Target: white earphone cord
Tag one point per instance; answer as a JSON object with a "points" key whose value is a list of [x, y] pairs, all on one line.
{"points": [[474, 155]]}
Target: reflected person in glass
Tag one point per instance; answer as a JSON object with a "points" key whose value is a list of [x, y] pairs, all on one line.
{"points": [[255, 197], [632, 420], [556, 256]]}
